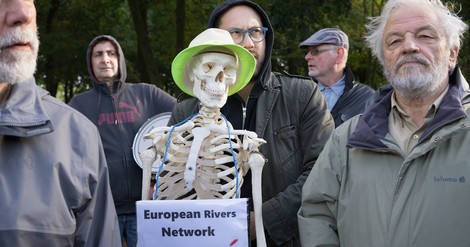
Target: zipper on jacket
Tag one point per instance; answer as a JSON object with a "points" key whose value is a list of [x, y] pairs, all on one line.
{"points": [[120, 130], [244, 105], [244, 116], [20, 125], [33, 129], [114, 110]]}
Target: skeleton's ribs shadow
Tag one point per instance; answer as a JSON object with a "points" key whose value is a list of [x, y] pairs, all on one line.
{"points": [[204, 157]]}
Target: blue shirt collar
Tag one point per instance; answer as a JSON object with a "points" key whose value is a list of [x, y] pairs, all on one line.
{"points": [[337, 88]]}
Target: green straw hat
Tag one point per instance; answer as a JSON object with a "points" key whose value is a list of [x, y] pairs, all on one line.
{"points": [[217, 40]]}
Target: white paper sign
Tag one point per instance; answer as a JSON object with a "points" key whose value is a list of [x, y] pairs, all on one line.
{"points": [[195, 223]]}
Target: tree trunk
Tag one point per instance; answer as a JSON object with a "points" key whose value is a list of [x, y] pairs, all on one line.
{"points": [[147, 64], [50, 72]]}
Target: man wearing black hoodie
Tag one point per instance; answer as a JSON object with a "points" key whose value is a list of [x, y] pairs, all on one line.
{"points": [[119, 109], [289, 112]]}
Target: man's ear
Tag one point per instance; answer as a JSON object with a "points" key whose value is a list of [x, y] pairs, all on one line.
{"points": [[454, 53], [340, 54]]}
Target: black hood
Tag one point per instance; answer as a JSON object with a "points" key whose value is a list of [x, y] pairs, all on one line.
{"points": [[121, 60], [265, 69]]}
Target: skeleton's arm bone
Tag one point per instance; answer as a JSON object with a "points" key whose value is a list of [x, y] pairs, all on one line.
{"points": [[256, 162], [147, 157]]}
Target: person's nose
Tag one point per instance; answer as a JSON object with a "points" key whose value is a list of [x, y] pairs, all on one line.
{"points": [[410, 44], [308, 56], [106, 58], [247, 43], [18, 12]]}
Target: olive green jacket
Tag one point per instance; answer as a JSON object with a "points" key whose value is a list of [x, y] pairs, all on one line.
{"points": [[363, 191]]}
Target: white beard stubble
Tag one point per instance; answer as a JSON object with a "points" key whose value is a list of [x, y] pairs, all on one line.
{"points": [[18, 66], [414, 83]]}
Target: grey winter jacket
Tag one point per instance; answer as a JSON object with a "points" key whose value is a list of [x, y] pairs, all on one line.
{"points": [[54, 185], [363, 191]]}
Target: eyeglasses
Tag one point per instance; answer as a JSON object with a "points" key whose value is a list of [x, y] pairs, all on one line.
{"points": [[256, 34], [316, 51]]}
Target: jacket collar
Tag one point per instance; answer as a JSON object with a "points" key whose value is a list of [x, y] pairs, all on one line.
{"points": [[349, 78], [24, 113]]}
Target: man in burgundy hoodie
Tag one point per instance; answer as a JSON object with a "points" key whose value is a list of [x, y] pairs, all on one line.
{"points": [[119, 109]]}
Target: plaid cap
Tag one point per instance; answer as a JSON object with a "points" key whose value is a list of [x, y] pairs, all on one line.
{"points": [[332, 36]]}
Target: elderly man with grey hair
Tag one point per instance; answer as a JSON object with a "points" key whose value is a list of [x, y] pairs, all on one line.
{"points": [[327, 57], [397, 174]]}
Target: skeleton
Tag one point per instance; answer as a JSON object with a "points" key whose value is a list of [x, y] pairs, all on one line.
{"points": [[204, 157]]}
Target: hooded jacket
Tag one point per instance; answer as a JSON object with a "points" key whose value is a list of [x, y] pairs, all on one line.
{"points": [[364, 191], [119, 116], [353, 99], [54, 184], [290, 113]]}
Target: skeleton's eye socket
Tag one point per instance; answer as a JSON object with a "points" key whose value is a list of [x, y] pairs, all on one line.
{"points": [[207, 67], [230, 71]]}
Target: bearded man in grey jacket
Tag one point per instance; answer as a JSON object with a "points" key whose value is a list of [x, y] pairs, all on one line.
{"points": [[54, 184]]}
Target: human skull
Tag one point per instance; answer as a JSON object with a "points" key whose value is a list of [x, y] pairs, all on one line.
{"points": [[213, 74]]}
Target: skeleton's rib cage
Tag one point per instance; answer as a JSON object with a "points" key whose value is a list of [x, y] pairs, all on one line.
{"points": [[221, 160]]}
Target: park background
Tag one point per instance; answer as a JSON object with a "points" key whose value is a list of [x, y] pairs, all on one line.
{"points": [[152, 32]]}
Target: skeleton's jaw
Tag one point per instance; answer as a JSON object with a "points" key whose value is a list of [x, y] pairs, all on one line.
{"points": [[212, 100], [212, 95]]}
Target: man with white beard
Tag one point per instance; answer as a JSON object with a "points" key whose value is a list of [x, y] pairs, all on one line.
{"points": [[398, 175], [54, 185]]}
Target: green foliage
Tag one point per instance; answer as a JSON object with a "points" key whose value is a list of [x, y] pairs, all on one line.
{"points": [[67, 26], [163, 32], [295, 21]]}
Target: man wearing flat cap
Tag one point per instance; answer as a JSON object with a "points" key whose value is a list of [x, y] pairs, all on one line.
{"points": [[327, 56]]}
